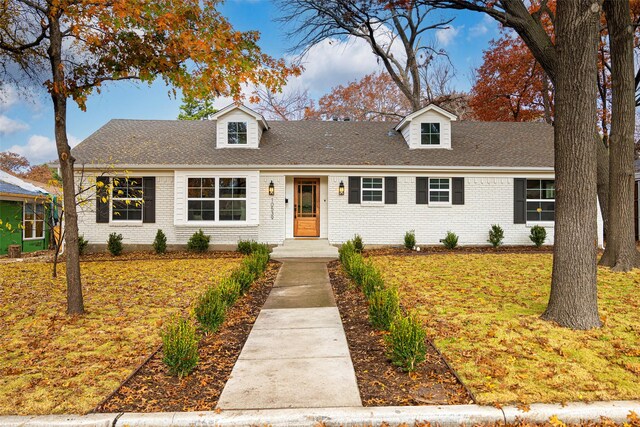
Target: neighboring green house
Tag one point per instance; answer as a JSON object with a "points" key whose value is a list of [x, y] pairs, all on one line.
{"points": [[23, 210]]}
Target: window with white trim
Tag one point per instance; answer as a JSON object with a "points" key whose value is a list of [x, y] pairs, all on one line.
{"points": [[541, 200], [430, 133], [372, 189], [237, 133], [126, 199], [439, 190], [33, 221], [228, 203]]}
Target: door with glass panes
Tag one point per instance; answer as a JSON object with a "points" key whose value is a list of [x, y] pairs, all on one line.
{"points": [[306, 209]]}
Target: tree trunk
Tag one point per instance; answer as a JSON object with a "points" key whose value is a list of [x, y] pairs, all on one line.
{"points": [[602, 159], [75, 304], [574, 299], [620, 252]]}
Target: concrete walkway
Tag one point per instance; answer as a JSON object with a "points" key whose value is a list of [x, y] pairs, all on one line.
{"points": [[296, 355]]}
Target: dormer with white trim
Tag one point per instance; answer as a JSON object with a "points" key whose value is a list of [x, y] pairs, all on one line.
{"points": [[238, 126], [429, 127]]}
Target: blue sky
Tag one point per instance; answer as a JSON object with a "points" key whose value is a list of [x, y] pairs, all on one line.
{"points": [[26, 123]]}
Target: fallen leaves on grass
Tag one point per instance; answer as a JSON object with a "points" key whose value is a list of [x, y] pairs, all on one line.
{"points": [[483, 312], [53, 363]]}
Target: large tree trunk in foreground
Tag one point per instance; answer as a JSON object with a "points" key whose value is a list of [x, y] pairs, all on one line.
{"points": [[620, 252], [602, 158], [574, 299], [75, 303]]}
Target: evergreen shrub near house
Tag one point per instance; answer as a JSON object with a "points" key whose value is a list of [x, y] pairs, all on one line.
{"points": [[82, 244], [210, 309], [406, 342], [410, 239], [199, 242], [371, 280], [114, 244], [180, 346], [247, 247], [538, 235], [346, 251], [384, 307], [244, 278], [229, 290], [450, 241], [358, 244], [160, 242], [496, 235]]}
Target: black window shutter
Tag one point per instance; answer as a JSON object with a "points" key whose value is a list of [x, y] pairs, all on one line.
{"points": [[422, 190], [391, 190], [520, 201], [458, 191], [149, 199], [354, 189], [102, 206]]}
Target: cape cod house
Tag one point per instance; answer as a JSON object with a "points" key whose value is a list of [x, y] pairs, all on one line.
{"points": [[236, 176]]}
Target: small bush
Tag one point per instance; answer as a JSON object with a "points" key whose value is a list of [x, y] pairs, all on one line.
{"points": [[356, 268], [406, 341], [346, 250], [450, 241], [210, 309], [256, 263], [82, 244], [199, 242], [358, 245], [410, 239], [384, 306], [180, 346], [538, 235], [114, 244], [229, 291], [371, 280], [244, 278], [160, 242], [247, 247], [496, 235]]}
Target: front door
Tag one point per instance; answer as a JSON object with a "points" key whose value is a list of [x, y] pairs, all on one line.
{"points": [[306, 209]]}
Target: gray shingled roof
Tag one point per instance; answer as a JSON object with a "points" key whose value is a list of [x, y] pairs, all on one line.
{"points": [[174, 142], [7, 188]]}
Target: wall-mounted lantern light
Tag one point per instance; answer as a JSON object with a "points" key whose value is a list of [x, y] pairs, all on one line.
{"points": [[341, 188], [272, 189]]}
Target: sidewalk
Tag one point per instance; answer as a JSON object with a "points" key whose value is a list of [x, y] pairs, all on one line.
{"points": [[297, 354]]}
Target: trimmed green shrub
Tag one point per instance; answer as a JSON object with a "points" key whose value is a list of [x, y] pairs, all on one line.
{"points": [[356, 268], [82, 244], [406, 341], [384, 306], [496, 235], [371, 280], [114, 244], [247, 247], [180, 346], [538, 235], [210, 309], [244, 278], [346, 250], [229, 291], [358, 245], [410, 239], [199, 242], [160, 242], [450, 241]]}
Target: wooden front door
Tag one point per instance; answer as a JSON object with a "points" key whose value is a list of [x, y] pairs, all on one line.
{"points": [[306, 208]]}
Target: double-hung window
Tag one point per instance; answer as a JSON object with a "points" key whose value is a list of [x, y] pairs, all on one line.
{"points": [[430, 133], [237, 133], [372, 189], [541, 200], [217, 199], [126, 199], [33, 222], [439, 191]]}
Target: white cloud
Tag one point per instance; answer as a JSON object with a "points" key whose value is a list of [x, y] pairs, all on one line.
{"points": [[486, 25], [40, 148], [446, 36], [9, 126]]}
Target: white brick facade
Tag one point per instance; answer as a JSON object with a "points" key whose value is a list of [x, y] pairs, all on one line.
{"points": [[488, 200]]}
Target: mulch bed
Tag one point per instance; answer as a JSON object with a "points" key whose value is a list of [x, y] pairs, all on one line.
{"points": [[153, 389], [380, 382], [152, 256], [430, 250]]}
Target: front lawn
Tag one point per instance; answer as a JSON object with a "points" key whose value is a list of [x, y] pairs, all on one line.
{"points": [[482, 311], [52, 363]]}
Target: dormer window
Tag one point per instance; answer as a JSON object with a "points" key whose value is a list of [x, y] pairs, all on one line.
{"points": [[237, 133], [430, 133]]}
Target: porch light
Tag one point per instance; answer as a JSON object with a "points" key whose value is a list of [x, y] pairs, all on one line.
{"points": [[341, 188], [272, 189]]}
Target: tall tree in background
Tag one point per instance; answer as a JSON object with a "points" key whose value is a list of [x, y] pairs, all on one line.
{"points": [[395, 31], [285, 105], [13, 162], [73, 47], [193, 108]]}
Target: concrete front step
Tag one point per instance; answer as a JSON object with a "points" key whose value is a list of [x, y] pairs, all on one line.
{"points": [[305, 248]]}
